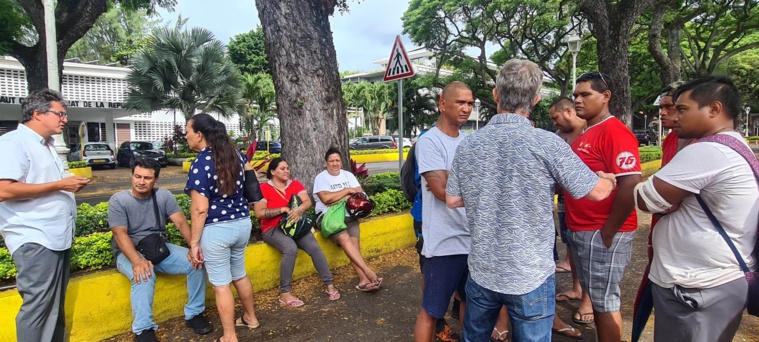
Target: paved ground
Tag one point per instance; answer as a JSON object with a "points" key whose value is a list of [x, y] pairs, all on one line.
{"points": [[388, 315]]}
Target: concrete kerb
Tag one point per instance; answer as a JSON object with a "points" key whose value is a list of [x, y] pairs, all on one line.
{"points": [[97, 304]]}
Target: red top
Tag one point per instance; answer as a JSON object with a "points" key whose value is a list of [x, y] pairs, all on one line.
{"points": [[608, 146], [276, 199], [668, 148]]}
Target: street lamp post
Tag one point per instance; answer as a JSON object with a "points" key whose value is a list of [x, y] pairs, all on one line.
{"points": [[574, 43], [748, 110]]}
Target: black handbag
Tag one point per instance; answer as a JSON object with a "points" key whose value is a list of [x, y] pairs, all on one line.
{"points": [[251, 188], [153, 247], [300, 228]]}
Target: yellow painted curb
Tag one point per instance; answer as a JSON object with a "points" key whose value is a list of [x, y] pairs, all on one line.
{"points": [[377, 158], [649, 168], [85, 172], [97, 304], [186, 166]]}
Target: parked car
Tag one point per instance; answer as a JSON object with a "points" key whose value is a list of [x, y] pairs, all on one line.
{"points": [[645, 136], [406, 142], [95, 154], [133, 149], [373, 142], [272, 147]]}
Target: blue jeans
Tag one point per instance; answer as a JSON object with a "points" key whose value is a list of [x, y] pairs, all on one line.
{"points": [[531, 313], [141, 294]]}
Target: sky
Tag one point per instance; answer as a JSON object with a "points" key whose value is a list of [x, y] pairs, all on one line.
{"points": [[364, 34]]}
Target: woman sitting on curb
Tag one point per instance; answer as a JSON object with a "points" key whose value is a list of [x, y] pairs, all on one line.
{"points": [[277, 192], [331, 186]]}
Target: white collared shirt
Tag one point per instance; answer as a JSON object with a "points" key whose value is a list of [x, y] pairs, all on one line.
{"points": [[47, 220]]}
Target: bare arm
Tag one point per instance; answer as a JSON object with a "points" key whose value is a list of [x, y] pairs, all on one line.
{"points": [[436, 181], [141, 268], [198, 215], [262, 212], [11, 190], [603, 188], [621, 209], [180, 221], [671, 193], [330, 198], [454, 201]]}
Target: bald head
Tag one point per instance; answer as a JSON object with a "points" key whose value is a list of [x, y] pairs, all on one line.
{"points": [[452, 88]]}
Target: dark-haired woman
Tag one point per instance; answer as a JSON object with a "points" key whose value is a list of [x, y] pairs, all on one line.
{"points": [[277, 192], [331, 186], [220, 219]]}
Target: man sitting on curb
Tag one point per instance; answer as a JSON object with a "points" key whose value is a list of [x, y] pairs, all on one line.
{"points": [[132, 216]]}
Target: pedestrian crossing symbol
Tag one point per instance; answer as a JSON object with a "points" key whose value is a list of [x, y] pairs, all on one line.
{"points": [[398, 66]]}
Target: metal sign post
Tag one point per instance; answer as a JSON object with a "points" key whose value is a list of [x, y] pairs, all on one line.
{"points": [[398, 68]]}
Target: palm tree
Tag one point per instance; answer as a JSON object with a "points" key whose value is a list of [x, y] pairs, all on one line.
{"points": [[186, 71], [375, 99], [259, 96]]}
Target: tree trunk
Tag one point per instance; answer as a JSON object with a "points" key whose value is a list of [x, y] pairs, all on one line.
{"points": [[611, 24], [299, 46]]}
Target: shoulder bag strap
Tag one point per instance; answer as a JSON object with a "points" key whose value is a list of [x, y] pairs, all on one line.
{"points": [[158, 224], [722, 233]]}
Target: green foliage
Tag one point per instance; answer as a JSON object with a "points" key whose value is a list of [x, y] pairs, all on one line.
{"points": [[92, 252], [390, 201], [182, 155], [77, 164], [183, 201], [419, 105], [375, 98], [259, 96], [116, 36], [13, 20], [90, 219], [185, 71], [381, 182], [7, 267], [248, 53]]}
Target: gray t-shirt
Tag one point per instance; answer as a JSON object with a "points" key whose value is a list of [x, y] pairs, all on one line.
{"points": [[445, 230], [506, 173], [138, 215]]}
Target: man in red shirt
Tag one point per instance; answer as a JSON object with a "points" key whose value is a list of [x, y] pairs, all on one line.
{"points": [[601, 233]]}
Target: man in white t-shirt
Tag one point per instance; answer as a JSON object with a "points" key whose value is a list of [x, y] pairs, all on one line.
{"points": [[698, 286], [445, 231]]}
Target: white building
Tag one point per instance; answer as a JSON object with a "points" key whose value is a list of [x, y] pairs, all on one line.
{"points": [[95, 95]]}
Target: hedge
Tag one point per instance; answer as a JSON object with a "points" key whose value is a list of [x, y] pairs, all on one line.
{"points": [[77, 164], [92, 243], [381, 151]]}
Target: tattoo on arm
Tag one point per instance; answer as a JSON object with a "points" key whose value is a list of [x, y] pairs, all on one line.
{"points": [[271, 213]]}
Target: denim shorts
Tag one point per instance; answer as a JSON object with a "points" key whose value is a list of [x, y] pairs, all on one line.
{"points": [[223, 246]]}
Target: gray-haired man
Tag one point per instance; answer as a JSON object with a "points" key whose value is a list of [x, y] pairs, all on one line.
{"points": [[504, 174]]}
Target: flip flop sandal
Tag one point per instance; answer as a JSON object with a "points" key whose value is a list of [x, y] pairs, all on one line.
{"points": [[368, 287], [243, 323], [577, 317], [569, 332], [295, 303], [564, 297], [502, 335], [333, 295]]}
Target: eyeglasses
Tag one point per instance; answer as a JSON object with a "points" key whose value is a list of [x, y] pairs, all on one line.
{"points": [[60, 114]]}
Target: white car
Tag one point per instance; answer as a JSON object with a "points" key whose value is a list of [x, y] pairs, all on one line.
{"points": [[406, 142], [95, 154]]}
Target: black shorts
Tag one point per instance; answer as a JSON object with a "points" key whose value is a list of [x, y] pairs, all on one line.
{"points": [[419, 244]]}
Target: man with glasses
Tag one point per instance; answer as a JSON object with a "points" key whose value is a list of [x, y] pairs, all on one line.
{"points": [[37, 215], [601, 233]]}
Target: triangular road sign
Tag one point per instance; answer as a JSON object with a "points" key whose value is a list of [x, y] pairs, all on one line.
{"points": [[398, 65]]}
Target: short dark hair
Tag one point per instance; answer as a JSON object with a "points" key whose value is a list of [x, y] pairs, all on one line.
{"points": [[598, 81], [707, 89], [561, 103], [147, 163], [331, 151], [273, 165], [671, 88], [39, 101]]}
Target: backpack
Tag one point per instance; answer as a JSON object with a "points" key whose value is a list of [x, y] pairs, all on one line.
{"points": [[408, 176]]}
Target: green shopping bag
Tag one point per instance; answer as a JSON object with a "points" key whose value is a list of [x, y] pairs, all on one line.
{"points": [[333, 221]]}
